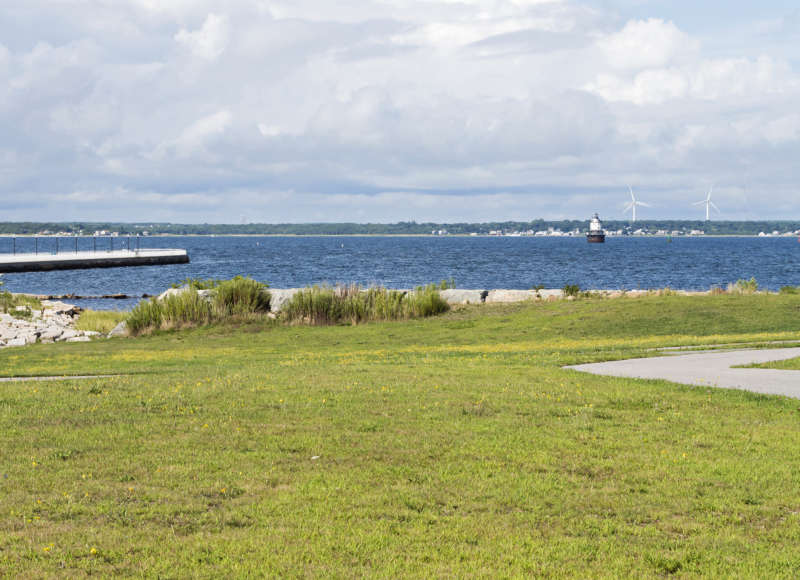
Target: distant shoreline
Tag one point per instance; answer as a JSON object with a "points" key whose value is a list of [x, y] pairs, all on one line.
{"points": [[582, 236]]}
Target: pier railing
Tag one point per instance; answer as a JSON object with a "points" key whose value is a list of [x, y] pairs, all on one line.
{"points": [[54, 245], [39, 253]]}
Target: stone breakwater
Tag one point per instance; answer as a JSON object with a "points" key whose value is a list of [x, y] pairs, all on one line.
{"points": [[54, 322], [455, 297]]}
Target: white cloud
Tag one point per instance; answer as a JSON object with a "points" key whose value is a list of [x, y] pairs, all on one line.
{"points": [[385, 109], [645, 44], [712, 80], [208, 42], [197, 135]]}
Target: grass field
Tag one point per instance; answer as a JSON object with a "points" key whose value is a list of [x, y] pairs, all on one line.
{"points": [[792, 364], [454, 446]]}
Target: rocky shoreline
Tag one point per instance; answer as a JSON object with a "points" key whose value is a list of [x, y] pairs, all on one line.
{"points": [[54, 322]]}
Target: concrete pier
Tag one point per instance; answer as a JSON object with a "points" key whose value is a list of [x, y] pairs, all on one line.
{"points": [[83, 260]]}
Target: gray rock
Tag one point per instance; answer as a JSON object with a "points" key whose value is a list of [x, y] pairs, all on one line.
{"points": [[280, 296], [177, 291], [172, 292], [120, 329], [16, 342], [506, 296], [456, 296], [79, 339], [56, 308], [551, 294], [67, 334], [51, 333]]}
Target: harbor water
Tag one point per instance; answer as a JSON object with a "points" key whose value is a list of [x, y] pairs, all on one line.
{"points": [[695, 263]]}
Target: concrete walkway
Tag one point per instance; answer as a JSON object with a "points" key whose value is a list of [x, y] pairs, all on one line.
{"points": [[710, 369], [55, 378]]}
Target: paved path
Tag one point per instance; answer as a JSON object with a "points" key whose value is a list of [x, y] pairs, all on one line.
{"points": [[710, 369], [54, 378]]}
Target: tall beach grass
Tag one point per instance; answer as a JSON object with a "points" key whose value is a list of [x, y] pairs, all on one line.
{"points": [[322, 305], [237, 299]]}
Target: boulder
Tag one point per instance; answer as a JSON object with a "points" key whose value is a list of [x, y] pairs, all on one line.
{"points": [[120, 329], [51, 333], [16, 342], [280, 296], [550, 294], [79, 339], [171, 292], [56, 308], [29, 337], [176, 291], [505, 296], [67, 334], [455, 296]]}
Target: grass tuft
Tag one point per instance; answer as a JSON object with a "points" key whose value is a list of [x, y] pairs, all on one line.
{"points": [[240, 297], [325, 305], [102, 321], [743, 286], [229, 300], [9, 302]]}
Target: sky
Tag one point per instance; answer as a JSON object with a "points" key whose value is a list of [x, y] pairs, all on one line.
{"points": [[397, 110]]}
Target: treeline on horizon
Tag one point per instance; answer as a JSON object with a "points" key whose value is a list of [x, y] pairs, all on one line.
{"points": [[399, 228]]}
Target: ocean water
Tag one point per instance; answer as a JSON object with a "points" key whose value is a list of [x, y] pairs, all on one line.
{"points": [[405, 262]]}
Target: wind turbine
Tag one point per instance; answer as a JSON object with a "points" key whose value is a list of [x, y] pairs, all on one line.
{"points": [[708, 203], [633, 203]]}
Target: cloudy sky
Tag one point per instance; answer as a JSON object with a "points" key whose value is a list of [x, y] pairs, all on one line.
{"points": [[390, 110]]}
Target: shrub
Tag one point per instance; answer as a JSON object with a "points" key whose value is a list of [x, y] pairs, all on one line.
{"points": [[790, 289], [743, 287], [572, 290]]}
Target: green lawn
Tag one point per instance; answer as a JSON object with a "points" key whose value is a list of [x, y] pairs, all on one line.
{"points": [[447, 447], [792, 364]]}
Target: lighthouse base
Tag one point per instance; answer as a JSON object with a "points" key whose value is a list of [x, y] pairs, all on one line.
{"points": [[596, 238]]}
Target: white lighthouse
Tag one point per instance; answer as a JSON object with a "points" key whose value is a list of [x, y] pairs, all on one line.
{"points": [[596, 234]]}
